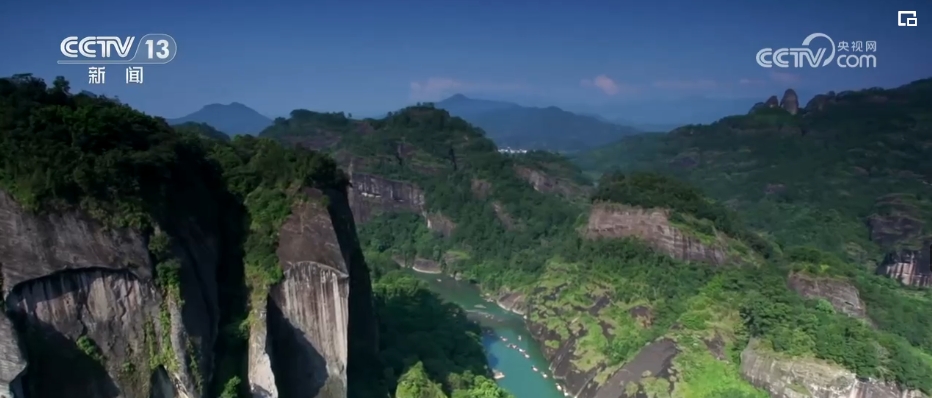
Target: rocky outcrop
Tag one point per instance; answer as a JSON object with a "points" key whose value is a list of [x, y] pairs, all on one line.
{"points": [[512, 301], [12, 363], [653, 226], [805, 378], [439, 223], [502, 215], [910, 267], [790, 101], [480, 188], [548, 184], [372, 195], [307, 313], [653, 361], [89, 315], [820, 101], [843, 296]]}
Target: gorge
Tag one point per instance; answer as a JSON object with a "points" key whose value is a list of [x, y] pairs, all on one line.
{"points": [[139, 260]]}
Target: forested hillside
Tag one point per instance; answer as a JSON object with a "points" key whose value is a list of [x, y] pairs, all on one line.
{"points": [[181, 190], [613, 296], [843, 173]]}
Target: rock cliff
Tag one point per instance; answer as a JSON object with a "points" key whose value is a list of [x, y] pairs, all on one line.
{"points": [[299, 344], [89, 315], [608, 220], [87, 310], [545, 183], [372, 195], [810, 378], [910, 267], [843, 296]]}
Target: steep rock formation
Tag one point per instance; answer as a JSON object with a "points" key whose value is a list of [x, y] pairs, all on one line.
{"points": [[910, 267], [841, 294], [548, 184], [372, 195], [299, 344], [896, 225], [804, 378], [439, 223], [89, 315], [12, 363], [608, 220], [790, 101]]}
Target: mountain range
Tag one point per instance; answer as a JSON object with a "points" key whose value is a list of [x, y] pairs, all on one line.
{"points": [[550, 128], [781, 252], [232, 119]]}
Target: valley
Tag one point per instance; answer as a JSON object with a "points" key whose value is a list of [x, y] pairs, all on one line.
{"points": [[782, 253]]}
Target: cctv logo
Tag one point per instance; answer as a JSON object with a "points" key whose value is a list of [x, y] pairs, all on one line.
{"points": [[909, 21], [87, 47], [769, 57]]}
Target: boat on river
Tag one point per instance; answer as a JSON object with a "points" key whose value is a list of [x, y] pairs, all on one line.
{"points": [[498, 375]]}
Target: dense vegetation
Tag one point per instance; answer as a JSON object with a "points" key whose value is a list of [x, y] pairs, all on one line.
{"points": [[61, 150], [548, 259], [428, 347], [813, 178], [802, 213]]}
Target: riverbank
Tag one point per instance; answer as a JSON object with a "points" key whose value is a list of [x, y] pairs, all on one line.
{"points": [[508, 344]]}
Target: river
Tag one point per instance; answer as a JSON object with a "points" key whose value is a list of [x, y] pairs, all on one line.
{"points": [[502, 329]]}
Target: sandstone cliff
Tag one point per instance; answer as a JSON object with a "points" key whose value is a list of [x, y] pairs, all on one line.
{"points": [[299, 344], [653, 226], [843, 296], [371, 195], [810, 378], [910, 267], [89, 315]]}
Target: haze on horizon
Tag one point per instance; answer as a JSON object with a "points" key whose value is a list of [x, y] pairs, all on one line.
{"points": [[369, 57]]}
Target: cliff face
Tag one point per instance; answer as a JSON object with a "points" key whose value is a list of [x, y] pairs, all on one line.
{"points": [[654, 227], [372, 195], [910, 267], [548, 184], [805, 378], [300, 341], [88, 314], [843, 296]]}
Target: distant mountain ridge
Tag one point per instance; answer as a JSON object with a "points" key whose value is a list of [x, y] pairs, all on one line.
{"points": [[232, 119], [551, 128]]}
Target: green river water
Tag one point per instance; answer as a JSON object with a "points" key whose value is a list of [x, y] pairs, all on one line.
{"points": [[502, 329]]}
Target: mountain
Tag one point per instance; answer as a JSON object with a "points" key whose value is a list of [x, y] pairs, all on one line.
{"points": [[551, 128], [723, 260], [232, 119], [151, 261], [646, 281]]}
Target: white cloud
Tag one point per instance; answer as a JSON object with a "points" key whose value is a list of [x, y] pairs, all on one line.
{"points": [[606, 84]]}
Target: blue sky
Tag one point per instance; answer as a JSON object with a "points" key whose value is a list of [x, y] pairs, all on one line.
{"points": [[368, 57]]}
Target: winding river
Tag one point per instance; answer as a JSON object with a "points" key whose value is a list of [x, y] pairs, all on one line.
{"points": [[507, 342]]}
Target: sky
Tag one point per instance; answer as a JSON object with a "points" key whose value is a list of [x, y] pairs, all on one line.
{"points": [[368, 57]]}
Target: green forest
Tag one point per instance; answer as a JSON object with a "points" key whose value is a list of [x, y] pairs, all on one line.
{"points": [[738, 183], [60, 150]]}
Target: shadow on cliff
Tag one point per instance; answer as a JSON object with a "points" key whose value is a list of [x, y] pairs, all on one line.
{"points": [[57, 367], [300, 370]]}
